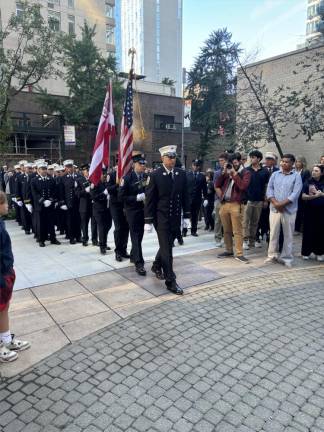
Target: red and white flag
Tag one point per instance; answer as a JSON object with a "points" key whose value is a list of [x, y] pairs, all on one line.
{"points": [[106, 131], [126, 135]]}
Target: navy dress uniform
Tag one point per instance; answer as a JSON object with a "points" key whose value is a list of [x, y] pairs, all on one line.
{"points": [[121, 228], [70, 202], [166, 195], [100, 210], [44, 196], [132, 194], [25, 180], [197, 189]]}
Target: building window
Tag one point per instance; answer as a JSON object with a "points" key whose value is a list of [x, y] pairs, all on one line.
{"points": [[54, 20], [163, 122], [53, 3], [71, 4], [71, 24], [19, 9], [109, 11], [110, 34]]}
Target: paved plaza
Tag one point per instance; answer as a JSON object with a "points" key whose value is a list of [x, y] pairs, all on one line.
{"points": [[242, 350]]}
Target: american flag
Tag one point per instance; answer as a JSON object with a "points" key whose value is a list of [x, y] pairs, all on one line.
{"points": [[126, 134]]}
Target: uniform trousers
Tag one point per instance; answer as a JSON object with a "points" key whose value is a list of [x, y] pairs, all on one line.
{"points": [[195, 209], [102, 218], [73, 223], [208, 215], [164, 258], [45, 224], [136, 229], [121, 227], [85, 219], [26, 218], [231, 217]]}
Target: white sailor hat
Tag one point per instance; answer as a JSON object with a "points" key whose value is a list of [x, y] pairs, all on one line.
{"points": [[28, 165], [270, 155], [59, 168], [170, 150], [41, 164], [68, 162], [50, 167], [23, 162], [16, 166]]}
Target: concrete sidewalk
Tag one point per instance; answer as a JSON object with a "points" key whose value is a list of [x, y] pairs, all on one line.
{"points": [[54, 315]]}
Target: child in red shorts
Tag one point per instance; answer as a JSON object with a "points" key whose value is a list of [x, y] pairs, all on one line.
{"points": [[8, 344]]}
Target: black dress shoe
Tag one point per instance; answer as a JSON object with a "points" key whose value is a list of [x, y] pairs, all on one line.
{"points": [[85, 243], [27, 232], [131, 260], [174, 287], [184, 232], [125, 255], [41, 244], [72, 242], [79, 240], [108, 247], [194, 234], [140, 270], [103, 250], [158, 273], [180, 241], [118, 257], [94, 243], [55, 242]]}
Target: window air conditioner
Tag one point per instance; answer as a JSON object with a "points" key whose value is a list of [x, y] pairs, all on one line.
{"points": [[171, 126]]}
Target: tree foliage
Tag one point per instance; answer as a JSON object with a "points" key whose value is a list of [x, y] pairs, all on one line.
{"points": [[212, 88], [32, 59], [86, 74]]}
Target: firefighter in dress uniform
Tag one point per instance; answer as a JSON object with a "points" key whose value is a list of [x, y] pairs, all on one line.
{"points": [[43, 189], [166, 195], [132, 194]]}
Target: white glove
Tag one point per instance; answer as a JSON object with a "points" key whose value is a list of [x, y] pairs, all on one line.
{"points": [[205, 203], [47, 203], [92, 186], [63, 207], [29, 207], [148, 228], [186, 223], [14, 200], [140, 197], [87, 189], [106, 192], [75, 184], [20, 203]]}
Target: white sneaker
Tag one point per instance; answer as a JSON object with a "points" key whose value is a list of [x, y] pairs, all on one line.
{"points": [[6, 355], [270, 260], [320, 258], [258, 244], [287, 264], [246, 246], [218, 244], [17, 345], [306, 257]]}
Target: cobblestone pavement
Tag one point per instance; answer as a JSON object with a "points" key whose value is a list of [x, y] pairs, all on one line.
{"points": [[244, 356]]}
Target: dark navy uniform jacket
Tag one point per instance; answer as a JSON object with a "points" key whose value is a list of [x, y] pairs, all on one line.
{"points": [[165, 197]]}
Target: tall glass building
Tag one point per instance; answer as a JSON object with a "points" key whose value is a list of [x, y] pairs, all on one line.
{"points": [[154, 29], [315, 20]]}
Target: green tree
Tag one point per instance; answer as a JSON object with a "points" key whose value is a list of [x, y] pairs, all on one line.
{"points": [[212, 87], [86, 74], [32, 59]]}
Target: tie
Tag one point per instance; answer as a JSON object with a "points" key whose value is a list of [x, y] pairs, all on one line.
{"points": [[171, 175]]}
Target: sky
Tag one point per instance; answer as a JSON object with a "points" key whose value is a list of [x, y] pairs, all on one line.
{"points": [[270, 27]]}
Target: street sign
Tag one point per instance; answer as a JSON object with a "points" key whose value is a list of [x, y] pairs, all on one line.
{"points": [[69, 135]]}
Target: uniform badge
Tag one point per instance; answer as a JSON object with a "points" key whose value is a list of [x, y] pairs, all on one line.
{"points": [[122, 182], [164, 173], [176, 173], [108, 178]]}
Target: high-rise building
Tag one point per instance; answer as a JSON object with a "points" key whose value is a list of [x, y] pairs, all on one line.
{"points": [[68, 16], [315, 21], [154, 29]]}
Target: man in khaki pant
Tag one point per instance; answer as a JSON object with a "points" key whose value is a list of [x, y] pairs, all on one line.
{"points": [[255, 196], [218, 229], [230, 188]]}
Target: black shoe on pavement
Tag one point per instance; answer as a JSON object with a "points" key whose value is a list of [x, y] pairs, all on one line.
{"points": [[118, 257], [139, 268], [242, 259], [125, 255], [42, 244], [174, 287], [194, 234], [158, 273], [72, 242], [103, 250], [225, 254], [84, 243], [79, 240], [55, 242], [180, 241], [94, 242]]}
